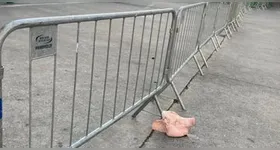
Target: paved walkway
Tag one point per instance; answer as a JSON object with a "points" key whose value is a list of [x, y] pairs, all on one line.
{"points": [[235, 103]]}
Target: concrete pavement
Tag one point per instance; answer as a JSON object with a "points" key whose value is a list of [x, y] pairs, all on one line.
{"points": [[235, 103]]}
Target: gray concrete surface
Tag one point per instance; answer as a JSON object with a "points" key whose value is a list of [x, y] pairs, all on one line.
{"points": [[235, 106]]}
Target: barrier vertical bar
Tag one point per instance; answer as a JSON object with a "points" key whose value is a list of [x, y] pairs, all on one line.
{"points": [[106, 73], [30, 99], [91, 78], [200, 31], [148, 55], [139, 59], [75, 83], [215, 23], [53, 98], [198, 39], [129, 62], [162, 49], [118, 70]]}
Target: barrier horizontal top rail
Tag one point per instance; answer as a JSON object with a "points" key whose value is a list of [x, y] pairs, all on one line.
{"points": [[44, 21], [182, 8]]}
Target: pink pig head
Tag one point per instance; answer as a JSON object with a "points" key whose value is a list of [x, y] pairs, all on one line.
{"points": [[173, 125]]}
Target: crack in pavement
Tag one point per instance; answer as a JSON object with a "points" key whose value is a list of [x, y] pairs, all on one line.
{"points": [[152, 131]]}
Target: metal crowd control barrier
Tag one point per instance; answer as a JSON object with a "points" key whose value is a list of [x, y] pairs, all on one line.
{"points": [[131, 59], [136, 62], [189, 26], [193, 30]]}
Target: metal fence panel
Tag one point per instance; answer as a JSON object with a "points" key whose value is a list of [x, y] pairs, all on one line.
{"points": [[189, 21], [210, 19], [109, 65]]}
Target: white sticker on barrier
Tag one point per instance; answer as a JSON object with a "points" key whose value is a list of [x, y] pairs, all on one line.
{"points": [[43, 41]]}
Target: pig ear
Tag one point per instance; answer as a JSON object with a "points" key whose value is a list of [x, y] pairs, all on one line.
{"points": [[159, 125]]}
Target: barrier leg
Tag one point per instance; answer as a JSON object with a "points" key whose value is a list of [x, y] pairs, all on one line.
{"points": [[217, 40], [229, 30], [178, 96], [226, 31], [235, 26], [145, 104], [198, 66], [202, 55], [241, 18], [237, 23], [242, 13], [214, 44], [232, 27], [140, 108], [158, 104]]}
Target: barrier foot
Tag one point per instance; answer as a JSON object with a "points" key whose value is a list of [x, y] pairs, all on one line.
{"points": [[178, 96], [198, 66]]}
